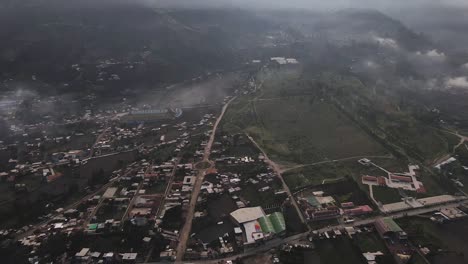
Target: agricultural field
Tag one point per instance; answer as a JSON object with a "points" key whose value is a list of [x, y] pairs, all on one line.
{"points": [[409, 136], [328, 172], [446, 242], [332, 251], [304, 130], [402, 124], [315, 175], [300, 119], [386, 195]]}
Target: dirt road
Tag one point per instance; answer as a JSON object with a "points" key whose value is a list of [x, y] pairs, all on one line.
{"points": [[278, 171], [185, 232], [444, 157], [335, 160]]}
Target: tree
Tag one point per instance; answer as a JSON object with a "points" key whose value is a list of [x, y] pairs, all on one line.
{"points": [[98, 177], [55, 245]]}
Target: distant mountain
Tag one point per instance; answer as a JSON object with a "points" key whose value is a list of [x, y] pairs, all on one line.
{"points": [[142, 45], [445, 25], [358, 24], [87, 47]]}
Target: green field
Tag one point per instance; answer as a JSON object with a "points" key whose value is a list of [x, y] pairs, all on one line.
{"points": [[416, 139], [301, 130], [315, 175], [332, 171], [386, 195], [338, 250], [447, 242], [300, 119]]}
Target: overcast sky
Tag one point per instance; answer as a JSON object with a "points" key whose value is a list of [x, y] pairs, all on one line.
{"points": [[313, 4], [262, 4]]}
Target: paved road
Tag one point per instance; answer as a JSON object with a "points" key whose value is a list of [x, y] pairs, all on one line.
{"points": [[277, 170], [185, 232], [279, 241]]}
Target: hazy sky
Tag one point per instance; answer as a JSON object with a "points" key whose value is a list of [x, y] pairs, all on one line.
{"points": [[327, 4], [262, 4]]}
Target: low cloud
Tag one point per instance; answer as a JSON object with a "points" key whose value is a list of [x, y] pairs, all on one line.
{"points": [[458, 82], [371, 64], [387, 42], [433, 54]]}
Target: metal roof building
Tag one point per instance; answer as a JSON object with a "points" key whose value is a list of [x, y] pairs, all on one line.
{"points": [[387, 227], [247, 214], [273, 223], [278, 221]]}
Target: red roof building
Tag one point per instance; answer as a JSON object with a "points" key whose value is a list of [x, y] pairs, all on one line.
{"points": [[382, 181], [177, 185], [421, 189], [54, 177], [369, 178], [324, 214], [347, 205], [212, 171], [401, 178], [360, 210]]}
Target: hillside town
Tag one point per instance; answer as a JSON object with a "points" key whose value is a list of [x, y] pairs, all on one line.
{"points": [[141, 184]]}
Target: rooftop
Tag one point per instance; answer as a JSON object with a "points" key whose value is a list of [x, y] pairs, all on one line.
{"points": [[247, 214]]}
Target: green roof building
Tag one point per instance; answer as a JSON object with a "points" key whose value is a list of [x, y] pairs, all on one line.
{"points": [[313, 201], [92, 227], [387, 227], [266, 225], [279, 224], [273, 223]]}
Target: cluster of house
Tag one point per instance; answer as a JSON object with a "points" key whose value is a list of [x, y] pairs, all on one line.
{"points": [[152, 115], [130, 197], [104, 68], [319, 206], [446, 166], [283, 60], [450, 214], [221, 183], [127, 194], [233, 184], [45, 170], [262, 181], [395, 239], [85, 255], [180, 190], [252, 224]]}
